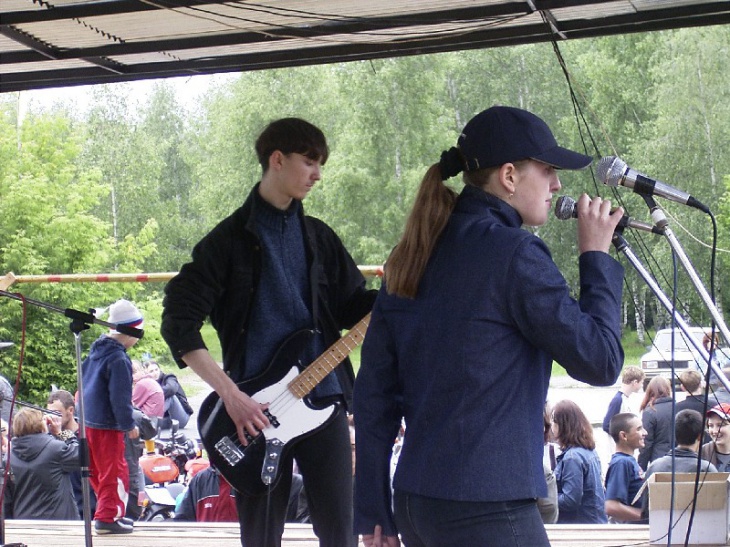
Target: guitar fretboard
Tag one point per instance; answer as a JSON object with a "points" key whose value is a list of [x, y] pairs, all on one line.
{"points": [[328, 361]]}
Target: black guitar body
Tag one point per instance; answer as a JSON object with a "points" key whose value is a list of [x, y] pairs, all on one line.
{"points": [[253, 469]]}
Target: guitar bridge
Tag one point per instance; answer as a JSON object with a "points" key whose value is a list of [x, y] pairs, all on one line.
{"points": [[229, 451], [270, 467]]}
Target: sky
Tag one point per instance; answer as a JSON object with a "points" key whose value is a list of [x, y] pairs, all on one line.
{"points": [[188, 89]]}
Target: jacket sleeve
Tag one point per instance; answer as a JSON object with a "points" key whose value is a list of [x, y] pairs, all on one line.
{"points": [[120, 392], [170, 385], [377, 421], [67, 454], [583, 335], [570, 492], [192, 293]]}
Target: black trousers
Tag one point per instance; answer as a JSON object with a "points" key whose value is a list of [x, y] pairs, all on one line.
{"points": [[325, 463]]}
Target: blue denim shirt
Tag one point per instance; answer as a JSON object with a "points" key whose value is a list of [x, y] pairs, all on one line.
{"points": [[581, 498]]}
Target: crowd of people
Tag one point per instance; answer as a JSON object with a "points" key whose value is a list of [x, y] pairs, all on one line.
{"points": [[122, 408], [470, 316], [659, 435]]}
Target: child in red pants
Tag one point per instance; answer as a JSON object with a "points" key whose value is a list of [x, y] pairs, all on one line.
{"points": [[107, 392]]}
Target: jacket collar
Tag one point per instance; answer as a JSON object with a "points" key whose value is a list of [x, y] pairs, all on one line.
{"points": [[473, 200]]}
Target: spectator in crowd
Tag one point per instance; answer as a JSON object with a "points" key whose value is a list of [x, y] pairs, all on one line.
{"points": [[578, 472], [470, 317], [39, 485], [548, 506], [132, 453], [717, 451], [3, 439], [147, 394], [657, 418], [683, 458], [718, 392], [208, 498], [107, 392], [63, 402], [624, 477], [632, 380], [6, 398], [692, 382], [176, 403]]}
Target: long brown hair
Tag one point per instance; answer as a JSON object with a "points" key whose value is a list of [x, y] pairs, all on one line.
{"points": [[428, 217], [431, 211], [658, 387], [574, 429]]}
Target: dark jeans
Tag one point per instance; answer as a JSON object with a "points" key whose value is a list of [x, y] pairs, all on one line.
{"points": [[325, 463], [430, 522]]}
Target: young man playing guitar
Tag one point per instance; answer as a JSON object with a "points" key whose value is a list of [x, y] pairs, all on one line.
{"points": [[262, 274]]}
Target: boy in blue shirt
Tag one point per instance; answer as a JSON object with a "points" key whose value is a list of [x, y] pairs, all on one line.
{"points": [[624, 477]]}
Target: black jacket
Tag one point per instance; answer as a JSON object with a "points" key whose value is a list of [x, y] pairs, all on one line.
{"points": [[40, 487], [171, 387], [658, 422], [221, 281]]}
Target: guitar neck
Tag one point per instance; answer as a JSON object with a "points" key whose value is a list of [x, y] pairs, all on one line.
{"points": [[328, 361]]}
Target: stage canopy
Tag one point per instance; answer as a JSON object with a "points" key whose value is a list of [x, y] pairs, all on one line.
{"points": [[72, 42]]}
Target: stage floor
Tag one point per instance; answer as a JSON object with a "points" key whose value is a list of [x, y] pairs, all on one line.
{"points": [[38, 533]]}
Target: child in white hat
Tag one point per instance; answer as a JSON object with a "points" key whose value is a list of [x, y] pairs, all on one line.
{"points": [[107, 392]]}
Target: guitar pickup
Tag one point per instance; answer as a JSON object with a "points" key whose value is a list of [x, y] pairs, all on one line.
{"points": [[229, 451], [272, 419]]}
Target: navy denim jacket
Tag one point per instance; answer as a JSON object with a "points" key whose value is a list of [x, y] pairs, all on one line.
{"points": [[467, 363]]}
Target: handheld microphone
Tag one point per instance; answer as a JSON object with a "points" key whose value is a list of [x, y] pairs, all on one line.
{"points": [[565, 208], [613, 171]]}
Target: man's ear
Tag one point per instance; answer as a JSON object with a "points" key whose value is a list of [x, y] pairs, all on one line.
{"points": [[275, 159]]}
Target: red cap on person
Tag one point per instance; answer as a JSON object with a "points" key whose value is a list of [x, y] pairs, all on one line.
{"points": [[722, 410]]}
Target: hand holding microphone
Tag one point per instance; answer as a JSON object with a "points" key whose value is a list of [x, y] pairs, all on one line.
{"points": [[566, 208]]}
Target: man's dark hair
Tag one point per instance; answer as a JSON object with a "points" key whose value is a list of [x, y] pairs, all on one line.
{"points": [[67, 400], [688, 426], [620, 422], [291, 135]]}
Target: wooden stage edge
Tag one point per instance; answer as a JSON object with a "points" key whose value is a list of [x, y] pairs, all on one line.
{"points": [[46, 533]]}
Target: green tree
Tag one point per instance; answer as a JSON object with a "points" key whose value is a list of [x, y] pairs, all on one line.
{"points": [[47, 205]]}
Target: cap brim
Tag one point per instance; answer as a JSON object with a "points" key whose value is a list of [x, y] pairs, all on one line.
{"points": [[717, 412], [562, 158]]}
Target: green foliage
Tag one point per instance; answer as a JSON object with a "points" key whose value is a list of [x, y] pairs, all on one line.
{"points": [[47, 205]]}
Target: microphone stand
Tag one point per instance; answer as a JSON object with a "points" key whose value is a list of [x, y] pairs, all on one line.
{"points": [[661, 221], [622, 246], [80, 321]]}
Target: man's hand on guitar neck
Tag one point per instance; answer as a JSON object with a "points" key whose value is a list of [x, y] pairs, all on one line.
{"points": [[247, 414]]}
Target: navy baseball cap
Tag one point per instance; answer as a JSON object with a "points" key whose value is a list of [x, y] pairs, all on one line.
{"points": [[503, 134]]}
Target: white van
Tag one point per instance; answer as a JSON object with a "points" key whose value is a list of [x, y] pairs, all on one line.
{"points": [[658, 361]]}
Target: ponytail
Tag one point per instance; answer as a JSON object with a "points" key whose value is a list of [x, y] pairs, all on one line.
{"points": [[431, 211]]}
